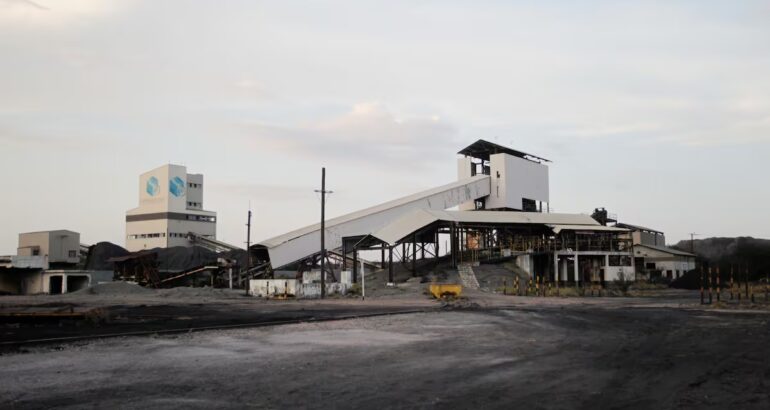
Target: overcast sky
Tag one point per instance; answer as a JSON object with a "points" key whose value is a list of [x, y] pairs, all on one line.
{"points": [[659, 111]]}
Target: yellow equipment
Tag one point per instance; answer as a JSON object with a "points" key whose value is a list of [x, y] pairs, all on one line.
{"points": [[443, 290]]}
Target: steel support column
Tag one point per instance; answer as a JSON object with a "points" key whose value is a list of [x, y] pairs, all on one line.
{"points": [[414, 255]]}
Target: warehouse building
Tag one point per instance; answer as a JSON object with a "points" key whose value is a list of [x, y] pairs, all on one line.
{"points": [[170, 209]]}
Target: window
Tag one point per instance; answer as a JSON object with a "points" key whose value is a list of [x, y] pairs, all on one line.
{"points": [[650, 265], [618, 260], [73, 254], [36, 252], [528, 205]]}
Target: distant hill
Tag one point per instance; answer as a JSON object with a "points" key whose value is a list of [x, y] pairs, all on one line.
{"points": [[743, 251]]}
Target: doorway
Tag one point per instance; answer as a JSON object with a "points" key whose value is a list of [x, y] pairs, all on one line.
{"points": [[55, 285]]}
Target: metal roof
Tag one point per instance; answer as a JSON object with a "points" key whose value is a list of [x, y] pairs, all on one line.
{"points": [[482, 149], [637, 228], [275, 241], [420, 218], [666, 249], [594, 228]]}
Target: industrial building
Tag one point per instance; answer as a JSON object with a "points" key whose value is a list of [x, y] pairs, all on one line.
{"points": [[56, 247], [47, 262], [503, 199], [653, 259], [170, 210]]}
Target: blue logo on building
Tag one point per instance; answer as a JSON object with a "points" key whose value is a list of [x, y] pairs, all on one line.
{"points": [[176, 186], [152, 186]]}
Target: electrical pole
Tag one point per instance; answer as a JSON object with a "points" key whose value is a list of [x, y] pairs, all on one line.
{"points": [[323, 193], [248, 245], [692, 242], [248, 240]]}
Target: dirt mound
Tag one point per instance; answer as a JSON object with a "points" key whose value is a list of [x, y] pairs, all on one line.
{"points": [[99, 254], [115, 288]]}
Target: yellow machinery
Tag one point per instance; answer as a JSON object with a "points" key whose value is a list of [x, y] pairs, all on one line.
{"points": [[445, 290]]}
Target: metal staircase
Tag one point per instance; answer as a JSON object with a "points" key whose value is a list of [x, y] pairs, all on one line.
{"points": [[467, 276]]}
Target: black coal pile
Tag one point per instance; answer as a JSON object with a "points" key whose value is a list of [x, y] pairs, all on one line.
{"points": [[239, 255], [99, 254], [180, 258], [690, 280]]}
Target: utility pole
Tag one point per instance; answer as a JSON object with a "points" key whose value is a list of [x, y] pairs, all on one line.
{"points": [[248, 240], [248, 245], [323, 193], [692, 242]]}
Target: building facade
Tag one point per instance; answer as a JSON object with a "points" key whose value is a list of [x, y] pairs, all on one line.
{"points": [[170, 207], [652, 258], [518, 181], [60, 246]]}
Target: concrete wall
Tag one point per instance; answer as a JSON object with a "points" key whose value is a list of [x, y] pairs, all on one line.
{"points": [[139, 228], [60, 246], [195, 191], [273, 287], [72, 281], [613, 273], [525, 263], [464, 166], [648, 238], [514, 178]]}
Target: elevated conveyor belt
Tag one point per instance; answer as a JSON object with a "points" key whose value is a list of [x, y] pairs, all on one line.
{"points": [[211, 244], [305, 242]]}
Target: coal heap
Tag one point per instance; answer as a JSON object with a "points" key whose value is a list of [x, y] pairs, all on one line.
{"points": [[99, 254], [180, 258]]}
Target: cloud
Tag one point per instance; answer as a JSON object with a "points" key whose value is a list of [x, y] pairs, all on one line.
{"points": [[368, 129], [47, 12]]}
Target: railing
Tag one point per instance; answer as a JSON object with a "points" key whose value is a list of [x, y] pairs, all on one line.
{"points": [[550, 245]]}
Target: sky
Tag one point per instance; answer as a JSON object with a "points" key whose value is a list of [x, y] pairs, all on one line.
{"points": [[658, 111]]}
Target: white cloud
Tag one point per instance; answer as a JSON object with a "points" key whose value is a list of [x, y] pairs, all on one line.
{"points": [[367, 129], [50, 12]]}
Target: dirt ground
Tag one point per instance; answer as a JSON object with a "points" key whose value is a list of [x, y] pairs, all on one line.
{"points": [[490, 351]]}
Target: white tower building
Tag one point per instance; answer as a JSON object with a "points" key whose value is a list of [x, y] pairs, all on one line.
{"points": [[518, 181], [170, 207]]}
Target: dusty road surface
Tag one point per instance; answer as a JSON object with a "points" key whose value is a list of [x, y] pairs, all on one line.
{"points": [[584, 356]]}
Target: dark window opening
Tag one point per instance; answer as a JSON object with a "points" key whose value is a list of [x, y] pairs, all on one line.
{"points": [[55, 285], [75, 283], [528, 205]]}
